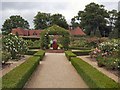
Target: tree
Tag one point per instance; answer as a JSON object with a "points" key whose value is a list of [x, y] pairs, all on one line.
{"points": [[93, 17], [117, 25], [112, 19], [59, 20], [74, 22], [42, 20], [14, 22]]}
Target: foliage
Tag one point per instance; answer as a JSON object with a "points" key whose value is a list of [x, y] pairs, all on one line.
{"points": [[14, 22], [54, 30], [79, 42], [112, 19], [40, 53], [109, 46], [110, 62], [33, 44], [45, 20], [59, 20], [30, 52], [95, 41], [93, 17], [69, 54], [42, 20], [17, 78], [5, 56], [44, 40], [15, 45], [65, 42], [93, 77], [117, 25]]}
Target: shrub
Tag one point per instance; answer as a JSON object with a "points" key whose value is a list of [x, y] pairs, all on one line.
{"points": [[93, 77], [33, 44], [81, 52], [17, 78], [108, 62], [15, 45], [40, 53], [69, 54], [101, 60], [5, 56], [109, 46]]}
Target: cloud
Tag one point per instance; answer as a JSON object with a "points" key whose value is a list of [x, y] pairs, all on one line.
{"points": [[29, 8]]}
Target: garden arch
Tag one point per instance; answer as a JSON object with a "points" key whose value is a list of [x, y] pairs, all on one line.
{"points": [[54, 30]]}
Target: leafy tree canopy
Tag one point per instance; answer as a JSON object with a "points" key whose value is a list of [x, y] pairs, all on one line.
{"points": [[93, 17], [14, 22], [44, 20]]}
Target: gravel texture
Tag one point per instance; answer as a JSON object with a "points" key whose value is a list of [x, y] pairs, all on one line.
{"points": [[55, 71]]}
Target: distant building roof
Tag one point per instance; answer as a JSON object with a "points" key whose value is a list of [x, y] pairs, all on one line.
{"points": [[23, 32], [77, 31], [36, 33]]}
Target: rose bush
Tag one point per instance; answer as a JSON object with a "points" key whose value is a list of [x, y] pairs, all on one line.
{"points": [[15, 45], [112, 59]]}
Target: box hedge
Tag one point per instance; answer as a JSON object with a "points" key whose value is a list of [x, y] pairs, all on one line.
{"points": [[40, 53], [69, 54], [79, 48], [34, 47], [93, 77], [81, 52], [17, 78], [31, 52]]}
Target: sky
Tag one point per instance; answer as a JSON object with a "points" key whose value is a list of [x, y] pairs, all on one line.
{"points": [[29, 8]]}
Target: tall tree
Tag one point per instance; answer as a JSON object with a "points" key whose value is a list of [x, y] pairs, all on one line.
{"points": [[42, 20], [59, 20], [92, 18], [112, 19], [14, 22], [117, 25]]}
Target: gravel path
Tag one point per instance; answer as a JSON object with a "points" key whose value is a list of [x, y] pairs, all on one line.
{"points": [[55, 71], [94, 64]]}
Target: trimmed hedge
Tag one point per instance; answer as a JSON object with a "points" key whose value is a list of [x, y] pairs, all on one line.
{"points": [[79, 48], [92, 77], [17, 78], [82, 52], [30, 52], [69, 54], [40, 53], [34, 47]]}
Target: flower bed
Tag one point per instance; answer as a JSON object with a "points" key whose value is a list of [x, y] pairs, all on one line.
{"points": [[69, 54], [93, 77], [109, 62]]}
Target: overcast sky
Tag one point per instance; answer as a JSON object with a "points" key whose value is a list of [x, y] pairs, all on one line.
{"points": [[29, 8]]}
